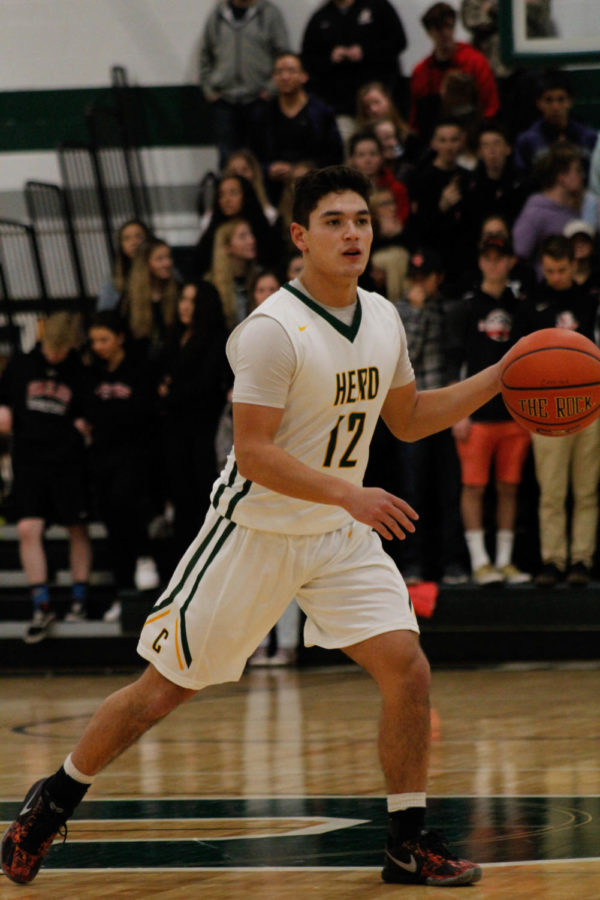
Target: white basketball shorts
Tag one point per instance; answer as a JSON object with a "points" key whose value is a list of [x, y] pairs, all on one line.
{"points": [[234, 583]]}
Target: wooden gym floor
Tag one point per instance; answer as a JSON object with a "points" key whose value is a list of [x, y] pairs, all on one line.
{"points": [[271, 787]]}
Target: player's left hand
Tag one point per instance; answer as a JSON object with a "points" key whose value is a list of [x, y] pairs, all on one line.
{"points": [[389, 515]]}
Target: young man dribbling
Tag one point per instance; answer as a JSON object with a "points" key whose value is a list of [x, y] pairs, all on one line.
{"points": [[314, 367]]}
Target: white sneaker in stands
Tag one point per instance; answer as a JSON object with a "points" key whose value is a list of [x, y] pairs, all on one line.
{"points": [[146, 575]]}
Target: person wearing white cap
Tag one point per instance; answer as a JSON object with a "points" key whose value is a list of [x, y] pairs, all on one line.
{"points": [[585, 253]]}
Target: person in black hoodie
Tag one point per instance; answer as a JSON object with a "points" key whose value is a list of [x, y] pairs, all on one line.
{"points": [[192, 392], [41, 404], [481, 328], [572, 462], [120, 407]]}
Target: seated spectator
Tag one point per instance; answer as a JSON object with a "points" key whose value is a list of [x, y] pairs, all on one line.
{"points": [[428, 469], [448, 54], [192, 395], [522, 278], [150, 300], [375, 104], [366, 154], [569, 466], [389, 256], [546, 213], [348, 43], [481, 328], [554, 102], [585, 254], [495, 188], [438, 189], [130, 236], [245, 164], [294, 126], [263, 285], [121, 410], [294, 267], [398, 157], [240, 41], [233, 268], [235, 198], [41, 405]]}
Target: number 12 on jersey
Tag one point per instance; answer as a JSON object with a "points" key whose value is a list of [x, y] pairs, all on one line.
{"points": [[355, 423]]}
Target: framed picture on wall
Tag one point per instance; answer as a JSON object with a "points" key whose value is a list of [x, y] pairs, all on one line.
{"points": [[550, 32]]}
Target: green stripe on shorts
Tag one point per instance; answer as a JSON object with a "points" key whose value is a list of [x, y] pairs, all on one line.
{"points": [[215, 550]]}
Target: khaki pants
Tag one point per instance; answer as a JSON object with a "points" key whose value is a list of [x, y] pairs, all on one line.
{"points": [[574, 458]]}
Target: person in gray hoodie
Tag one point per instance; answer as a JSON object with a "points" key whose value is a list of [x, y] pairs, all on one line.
{"points": [[241, 41]]}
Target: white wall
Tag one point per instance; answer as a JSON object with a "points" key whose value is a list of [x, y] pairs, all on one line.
{"points": [[73, 43]]}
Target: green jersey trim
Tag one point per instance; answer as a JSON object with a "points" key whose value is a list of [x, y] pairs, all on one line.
{"points": [[347, 331]]}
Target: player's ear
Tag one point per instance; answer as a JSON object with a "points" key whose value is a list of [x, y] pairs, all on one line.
{"points": [[297, 233]]}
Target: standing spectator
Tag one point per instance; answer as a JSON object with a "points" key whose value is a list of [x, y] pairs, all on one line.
{"points": [[41, 404], [235, 198], [495, 188], [585, 254], [438, 189], [554, 102], [570, 464], [448, 54], [481, 329], [348, 43], [151, 296], [429, 468], [192, 392], [546, 213], [121, 410], [233, 268], [245, 164], [130, 236], [365, 153], [294, 126], [240, 43]]}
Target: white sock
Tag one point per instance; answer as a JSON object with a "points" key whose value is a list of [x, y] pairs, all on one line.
{"points": [[476, 543], [504, 547], [397, 802], [74, 773]]}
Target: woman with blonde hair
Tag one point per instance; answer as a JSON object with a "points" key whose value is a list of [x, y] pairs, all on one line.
{"points": [[151, 299], [233, 268]]}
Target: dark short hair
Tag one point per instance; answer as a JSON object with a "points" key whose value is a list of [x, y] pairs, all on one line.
{"points": [[494, 128], [556, 161], [447, 122], [553, 80], [437, 16], [283, 53], [359, 136], [318, 182], [556, 246], [109, 319]]}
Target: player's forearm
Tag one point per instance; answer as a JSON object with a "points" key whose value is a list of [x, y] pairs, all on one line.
{"points": [[437, 409], [277, 470]]}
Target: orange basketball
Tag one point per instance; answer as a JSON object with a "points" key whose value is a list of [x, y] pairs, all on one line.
{"points": [[551, 381]]}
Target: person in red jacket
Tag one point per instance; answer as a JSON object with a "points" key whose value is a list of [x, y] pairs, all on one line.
{"points": [[448, 54]]}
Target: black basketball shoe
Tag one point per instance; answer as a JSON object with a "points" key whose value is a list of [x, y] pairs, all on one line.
{"points": [[28, 839], [427, 860]]}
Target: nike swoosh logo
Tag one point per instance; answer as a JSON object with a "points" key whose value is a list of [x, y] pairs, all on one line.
{"points": [[302, 327], [28, 806], [408, 867]]}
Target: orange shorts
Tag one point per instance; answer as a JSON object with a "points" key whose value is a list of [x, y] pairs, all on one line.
{"points": [[504, 442]]}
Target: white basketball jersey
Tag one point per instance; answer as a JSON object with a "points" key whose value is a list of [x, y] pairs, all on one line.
{"points": [[343, 374]]}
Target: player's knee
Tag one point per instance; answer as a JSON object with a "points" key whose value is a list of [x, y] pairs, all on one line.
{"points": [[161, 695]]}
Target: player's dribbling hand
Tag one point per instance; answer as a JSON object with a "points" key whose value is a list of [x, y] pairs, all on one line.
{"points": [[389, 515]]}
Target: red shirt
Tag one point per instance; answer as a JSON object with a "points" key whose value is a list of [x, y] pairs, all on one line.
{"points": [[386, 179], [427, 79]]}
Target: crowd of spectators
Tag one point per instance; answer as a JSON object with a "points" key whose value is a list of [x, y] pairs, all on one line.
{"points": [[485, 228]]}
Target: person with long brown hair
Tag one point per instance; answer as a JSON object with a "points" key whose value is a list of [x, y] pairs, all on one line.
{"points": [[233, 267], [151, 299], [128, 239]]}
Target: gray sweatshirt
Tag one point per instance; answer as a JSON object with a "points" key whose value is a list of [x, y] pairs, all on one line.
{"points": [[237, 55]]}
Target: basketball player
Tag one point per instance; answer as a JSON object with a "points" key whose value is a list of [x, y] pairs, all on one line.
{"points": [[314, 367]]}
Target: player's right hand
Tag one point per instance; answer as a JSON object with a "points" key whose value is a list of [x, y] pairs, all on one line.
{"points": [[389, 515]]}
